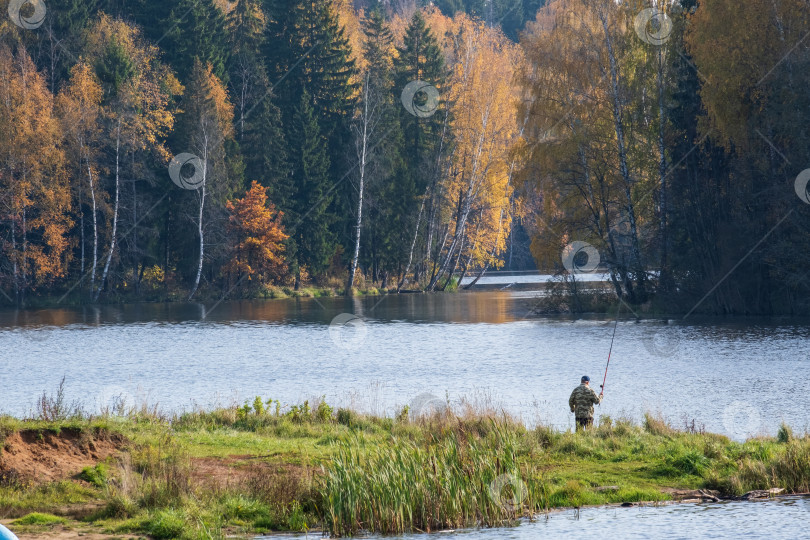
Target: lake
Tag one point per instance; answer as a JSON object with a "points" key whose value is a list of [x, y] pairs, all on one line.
{"points": [[783, 518], [741, 377]]}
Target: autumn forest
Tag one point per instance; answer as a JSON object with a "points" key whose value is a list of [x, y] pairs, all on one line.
{"points": [[206, 149]]}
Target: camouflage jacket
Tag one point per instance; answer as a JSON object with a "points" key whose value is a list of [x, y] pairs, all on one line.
{"points": [[582, 400]]}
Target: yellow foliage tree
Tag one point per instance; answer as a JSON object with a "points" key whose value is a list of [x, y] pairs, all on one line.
{"points": [[35, 200], [477, 185]]}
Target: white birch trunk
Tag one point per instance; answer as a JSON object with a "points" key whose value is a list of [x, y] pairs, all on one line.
{"points": [[362, 151], [200, 230], [95, 229], [115, 211]]}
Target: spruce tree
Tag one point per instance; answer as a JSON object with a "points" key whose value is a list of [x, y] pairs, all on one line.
{"points": [[423, 139], [245, 28], [55, 46], [306, 49], [420, 59], [310, 217], [246, 67], [307, 54], [386, 221], [265, 148], [185, 30]]}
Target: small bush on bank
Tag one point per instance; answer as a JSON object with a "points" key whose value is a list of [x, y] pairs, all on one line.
{"points": [[785, 434], [240, 507], [790, 469], [686, 461]]}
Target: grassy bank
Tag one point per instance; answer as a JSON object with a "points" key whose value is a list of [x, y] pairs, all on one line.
{"points": [[262, 467]]}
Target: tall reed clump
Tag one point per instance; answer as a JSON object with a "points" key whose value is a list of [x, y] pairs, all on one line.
{"points": [[456, 480]]}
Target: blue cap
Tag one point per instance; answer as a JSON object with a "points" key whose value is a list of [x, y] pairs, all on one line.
{"points": [[585, 378]]}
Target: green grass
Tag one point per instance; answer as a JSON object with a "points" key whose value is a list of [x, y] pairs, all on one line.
{"points": [[39, 518], [311, 467], [96, 475], [16, 500]]}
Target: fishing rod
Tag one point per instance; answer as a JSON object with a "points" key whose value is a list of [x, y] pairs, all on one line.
{"points": [[616, 325]]}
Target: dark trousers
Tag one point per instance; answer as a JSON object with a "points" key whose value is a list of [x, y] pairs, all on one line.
{"points": [[584, 423]]}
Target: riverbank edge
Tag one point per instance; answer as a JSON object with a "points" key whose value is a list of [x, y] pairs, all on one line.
{"points": [[306, 441], [268, 293], [94, 534]]}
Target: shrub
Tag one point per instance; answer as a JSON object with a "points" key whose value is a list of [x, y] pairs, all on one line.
{"points": [[791, 469], [713, 450], [785, 434], [750, 475], [402, 415], [545, 436], [297, 414], [623, 427], [258, 406], [243, 411], [571, 494], [118, 507], [166, 472], [688, 461], [241, 507], [56, 408]]}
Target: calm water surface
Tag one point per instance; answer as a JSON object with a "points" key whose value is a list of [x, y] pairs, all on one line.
{"points": [[784, 519], [380, 353]]}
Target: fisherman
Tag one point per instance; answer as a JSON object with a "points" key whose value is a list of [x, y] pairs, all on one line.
{"points": [[581, 402]]}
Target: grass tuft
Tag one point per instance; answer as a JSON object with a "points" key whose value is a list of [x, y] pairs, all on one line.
{"points": [[39, 518], [656, 425], [95, 475], [169, 523]]}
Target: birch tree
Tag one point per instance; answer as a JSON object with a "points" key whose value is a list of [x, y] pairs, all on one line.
{"points": [[79, 106], [207, 124], [477, 182], [137, 93]]}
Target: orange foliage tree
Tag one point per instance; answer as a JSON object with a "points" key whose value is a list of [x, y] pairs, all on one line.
{"points": [[258, 234], [35, 198]]}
